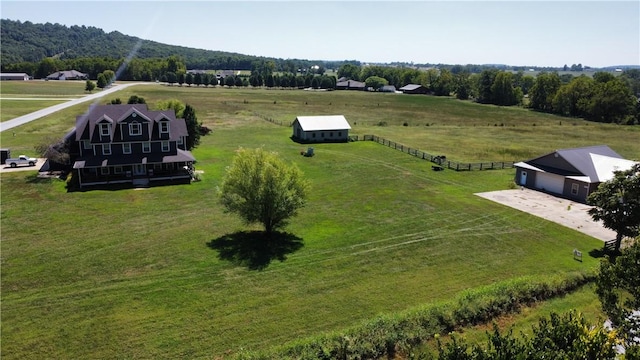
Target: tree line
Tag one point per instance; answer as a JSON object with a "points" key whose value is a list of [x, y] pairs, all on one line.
{"points": [[602, 98]]}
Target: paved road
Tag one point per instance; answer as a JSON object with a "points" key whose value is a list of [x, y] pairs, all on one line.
{"points": [[21, 120]]}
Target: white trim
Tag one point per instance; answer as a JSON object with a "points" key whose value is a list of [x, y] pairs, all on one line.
{"points": [[126, 146], [166, 147], [103, 127], [106, 149], [164, 123], [135, 125], [117, 170], [104, 170], [148, 147]]}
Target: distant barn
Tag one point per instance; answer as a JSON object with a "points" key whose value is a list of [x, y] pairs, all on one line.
{"points": [[350, 85], [326, 128], [14, 76], [414, 89], [67, 75]]}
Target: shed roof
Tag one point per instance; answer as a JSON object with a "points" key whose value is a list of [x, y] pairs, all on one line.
{"points": [[324, 122], [410, 87]]}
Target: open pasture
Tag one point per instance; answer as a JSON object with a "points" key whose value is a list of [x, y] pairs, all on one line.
{"points": [[152, 273]]}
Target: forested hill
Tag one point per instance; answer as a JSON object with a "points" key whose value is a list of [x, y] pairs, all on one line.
{"points": [[29, 42]]}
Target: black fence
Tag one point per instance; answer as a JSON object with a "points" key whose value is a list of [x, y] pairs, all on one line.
{"points": [[441, 160], [272, 120]]}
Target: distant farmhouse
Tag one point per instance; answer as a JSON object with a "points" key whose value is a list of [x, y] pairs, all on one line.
{"points": [[571, 173], [67, 75], [328, 128], [224, 73], [414, 89], [14, 76], [129, 144]]}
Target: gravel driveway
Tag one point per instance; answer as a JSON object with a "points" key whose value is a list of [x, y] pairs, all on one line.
{"points": [[562, 211]]}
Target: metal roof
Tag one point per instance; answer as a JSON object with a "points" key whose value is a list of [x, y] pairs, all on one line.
{"points": [[324, 122], [597, 163]]}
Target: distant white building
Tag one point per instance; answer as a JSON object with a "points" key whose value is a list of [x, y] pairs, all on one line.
{"points": [[326, 128], [14, 76]]}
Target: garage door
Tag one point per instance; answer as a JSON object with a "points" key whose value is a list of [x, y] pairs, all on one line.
{"points": [[550, 182]]}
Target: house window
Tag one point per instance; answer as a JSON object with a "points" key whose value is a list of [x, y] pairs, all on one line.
{"points": [[104, 170], [574, 189], [117, 170], [104, 129], [165, 146], [86, 144], [135, 129], [106, 149], [146, 147], [314, 135], [180, 141], [339, 134], [126, 148], [322, 134], [164, 127], [331, 134]]}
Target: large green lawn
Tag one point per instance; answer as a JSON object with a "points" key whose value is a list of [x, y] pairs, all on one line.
{"points": [[149, 273]]}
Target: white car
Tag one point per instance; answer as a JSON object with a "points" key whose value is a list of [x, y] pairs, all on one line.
{"points": [[21, 160]]}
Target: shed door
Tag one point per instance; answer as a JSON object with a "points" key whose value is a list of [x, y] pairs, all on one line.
{"points": [[550, 182]]}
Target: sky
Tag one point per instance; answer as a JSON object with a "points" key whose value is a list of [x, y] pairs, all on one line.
{"points": [[518, 33]]}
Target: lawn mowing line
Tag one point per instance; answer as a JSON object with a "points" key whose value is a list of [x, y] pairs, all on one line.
{"points": [[475, 234]]}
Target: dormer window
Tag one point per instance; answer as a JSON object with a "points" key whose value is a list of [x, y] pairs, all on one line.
{"points": [[135, 129], [104, 129], [164, 127]]}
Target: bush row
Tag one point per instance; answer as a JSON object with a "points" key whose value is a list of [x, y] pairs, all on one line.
{"points": [[387, 335]]}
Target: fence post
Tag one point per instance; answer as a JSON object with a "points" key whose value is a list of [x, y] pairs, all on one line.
{"points": [[480, 166]]}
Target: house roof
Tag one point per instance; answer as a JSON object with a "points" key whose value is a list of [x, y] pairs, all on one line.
{"points": [[116, 113], [410, 87], [325, 122], [350, 84], [595, 163]]}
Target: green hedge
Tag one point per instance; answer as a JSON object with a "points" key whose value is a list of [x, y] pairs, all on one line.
{"points": [[387, 334]]}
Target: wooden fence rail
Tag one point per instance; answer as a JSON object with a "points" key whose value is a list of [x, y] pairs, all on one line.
{"points": [[441, 160]]}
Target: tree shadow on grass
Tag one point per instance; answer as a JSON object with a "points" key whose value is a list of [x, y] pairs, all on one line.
{"points": [[254, 249]]}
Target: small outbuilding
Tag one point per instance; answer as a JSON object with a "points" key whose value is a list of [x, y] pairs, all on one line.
{"points": [[325, 128], [414, 89], [571, 173]]}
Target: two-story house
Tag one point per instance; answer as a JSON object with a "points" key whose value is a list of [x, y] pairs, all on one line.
{"points": [[119, 144]]}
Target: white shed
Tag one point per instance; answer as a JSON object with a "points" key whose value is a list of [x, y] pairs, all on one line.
{"points": [[325, 128]]}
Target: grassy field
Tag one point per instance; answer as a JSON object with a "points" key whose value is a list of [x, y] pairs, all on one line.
{"points": [[461, 130], [151, 273]]}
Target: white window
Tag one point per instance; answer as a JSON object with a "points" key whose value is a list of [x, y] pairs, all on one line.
{"points": [[146, 147], [86, 144], [104, 170], [104, 129], [117, 170], [180, 140], [106, 149], [135, 129], [126, 148], [574, 189], [164, 127], [165, 146]]}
